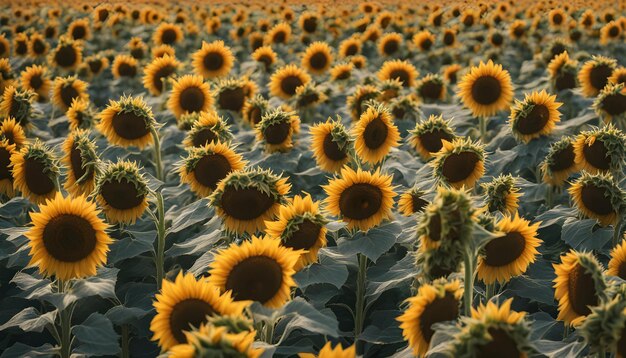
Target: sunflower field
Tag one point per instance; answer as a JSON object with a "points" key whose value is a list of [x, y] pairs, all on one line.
{"points": [[313, 178]]}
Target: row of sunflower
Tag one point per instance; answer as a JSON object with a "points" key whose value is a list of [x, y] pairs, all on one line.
{"points": [[266, 144]]}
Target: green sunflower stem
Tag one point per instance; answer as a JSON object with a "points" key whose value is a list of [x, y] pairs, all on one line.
{"points": [[549, 196], [601, 353], [157, 154], [482, 124], [125, 342], [617, 233], [359, 314], [66, 326], [160, 239], [490, 290], [468, 291]]}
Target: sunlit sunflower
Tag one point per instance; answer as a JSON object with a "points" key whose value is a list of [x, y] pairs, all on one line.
{"points": [[254, 109], [390, 44], [189, 94], [6, 177], [276, 130], [535, 116], [279, 34], [329, 352], [317, 58], [127, 122], [205, 166], [246, 199], [122, 192], [35, 172], [557, 18], [124, 66], [375, 134], [579, 285], [265, 55], [309, 21], [66, 89], [80, 160], [208, 128], [18, 104], [163, 50], [359, 61], [617, 264], [341, 72], [610, 32], [79, 29], [600, 150], [213, 59], [563, 72], [401, 70], [427, 137], [502, 195], [80, 114], [424, 40], [560, 162], [231, 94], [67, 239], [618, 76], [137, 48], [350, 47], [448, 38], [459, 163], [362, 199], [208, 340], [357, 103], [300, 226], [486, 89], [67, 55], [412, 201], [255, 40], [12, 132], [7, 77], [168, 34], [187, 303], [308, 96], [37, 45], [433, 303], [331, 145], [598, 197], [20, 44], [260, 269], [5, 47], [96, 64], [156, 73], [285, 80], [587, 19], [431, 88], [595, 73], [611, 102], [373, 33]]}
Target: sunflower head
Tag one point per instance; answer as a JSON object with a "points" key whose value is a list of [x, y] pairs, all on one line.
{"points": [[67, 55], [598, 197], [137, 48], [412, 201], [431, 88], [486, 89], [6, 177], [427, 137], [127, 122], [459, 163], [610, 104], [80, 158], [535, 116], [600, 149], [168, 34], [555, 48], [156, 73], [341, 72], [209, 341], [254, 109], [331, 145], [579, 285], [286, 80], [605, 327], [309, 95], [36, 79], [563, 72], [122, 192], [66, 89], [424, 40], [560, 162], [231, 94], [189, 94], [403, 71], [390, 44], [213, 60], [276, 130], [618, 76], [317, 58], [124, 66], [610, 32], [617, 264], [375, 134], [80, 114], [595, 73], [501, 194], [12, 132], [266, 56], [35, 171], [278, 35], [7, 77], [358, 102], [208, 128], [405, 107], [17, 104], [350, 47]]}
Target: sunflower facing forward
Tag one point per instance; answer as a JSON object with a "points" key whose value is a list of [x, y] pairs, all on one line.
{"points": [[317, 58], [127, 122], [375, 135], [156, 73], [486, 89], [401, 70], [122, 192], [285, 80], [36, 79], [189, 94], [595, 73], [331, 145], [80, 159], [213, 60], [598, 197], [460, 163], [260, 269], [535, 116], [35, 172]]}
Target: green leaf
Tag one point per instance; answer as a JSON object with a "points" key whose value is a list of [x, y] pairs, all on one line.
{"points": [[580, 234], [299, 314], [30, 320], [103, 284], [21, 350], [96, 336], [334, 274], [372, 243]]}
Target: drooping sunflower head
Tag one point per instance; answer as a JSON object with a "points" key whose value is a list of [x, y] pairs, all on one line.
{"points": [[12, 132], [127, 122], [17, 104], [556, 47], [390, 44], [276, 130], [598, 197], [359, 61], [208, 128], [350, 47], [122, 192], [68, 239], [610, 104], [168, 34], [156, 73], [501, 194], [213, 60], [80, 159], [260, 269], [66, 89], [362, 199], [67, 55], [137, 48], [6, 177], [617, 264], [357, 103], [35, 172], [535, 116], [431, 88], [412, 201], [486, 89], [400, 70], [375, 134], [434, 303], [579, 285], [562, 71], [424, 40], [124, 66], [595, 73], [459, 163], [428, 136], [600, 149], [405, 107], [286, 80], [205, 166], [189, 94], [317, 58], [308, 96], [96, 64], [163, 50], [80, 114], [331, 145], [266, 56], [188, 303], [389, 90], [247, 198], [254, 109], [231, 94]]}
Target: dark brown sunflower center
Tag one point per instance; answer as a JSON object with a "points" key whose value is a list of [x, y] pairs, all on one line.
{"points": [[21, 48], [565, 80], [257, 278], [127, 70], [39, 47], [192, 99], [36, 82], [245, 203], [360, 201], [459, 166], [203, 137], [68, 93], [232, 99], [595, 199], [599, 76], [504, 250], [318, 60], [434, 227], [77, 164], [95, 66], [448, 38], [501, 345], [266, 60], [375, 134], [277, 133], [121, 195], [79, 32], [280, 37], [211, 169], [557, 49], [66, 56], [581, 290], [486, 90], [188, 313], [614, 104], [432, 141], [441, 309], [304, 237], [168, 36], [621, 270], [310, 24], [352, 50], [390, 47], [563, 159], [160, 74], [613, 31], [534, 121], [418, 203], [290, 83], [497, 39], [5, 161], [332, 150], [130, 126], [137, 53], [557, 19], [37, 178], [468, 21], [3, 48], [255, 115], [69, 238], [430, 90], [401, 75], [596, 155], [213, 61], [50, 32]]}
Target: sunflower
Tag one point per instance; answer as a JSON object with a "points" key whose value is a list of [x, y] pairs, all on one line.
{"points": [[424, 40], [286, 79], [618, 76], [67, 239], [341, 72], [389, 90], [433, 303], [350, 47], [308, 96], [189, 94], [375, 135], [587, 19], [330, 143], [562, 72], [137, 48], [255, 40], [37, 45], [557, 18], [12, 132], [357, 103], [276, 130], [187, 303], [66, 89], [80, 159], [449, 38], [254, 109], [95, 64], [361, 199], [67, 55], [300, 226], [459, 163], [163, 50], [595, 73], [579, 285], [486, 89], [373, 32], [124, 66], [127, 122], [600, 150], [209, 340], [610, 104], [605, 328], [502, 195], [427, 137], [259, 270], [317, 58], [266, 56], [5, 47], [617, 264], [156, 73], [17, 104], [412, 201], [20, 44], [231, 94], [535, 116], [598, 197], [309, 22], [431, 88], [359, 61], [279, 34], [6, 74], [6, 177], [496, 39], [401, 70], [79, 29], [213, 60], [122, 192], [35, 172], [560, 162], [207, 129], [390, 44], [80, 114], [205, 166], [610, 32], [247, 198], [168, 34]]}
